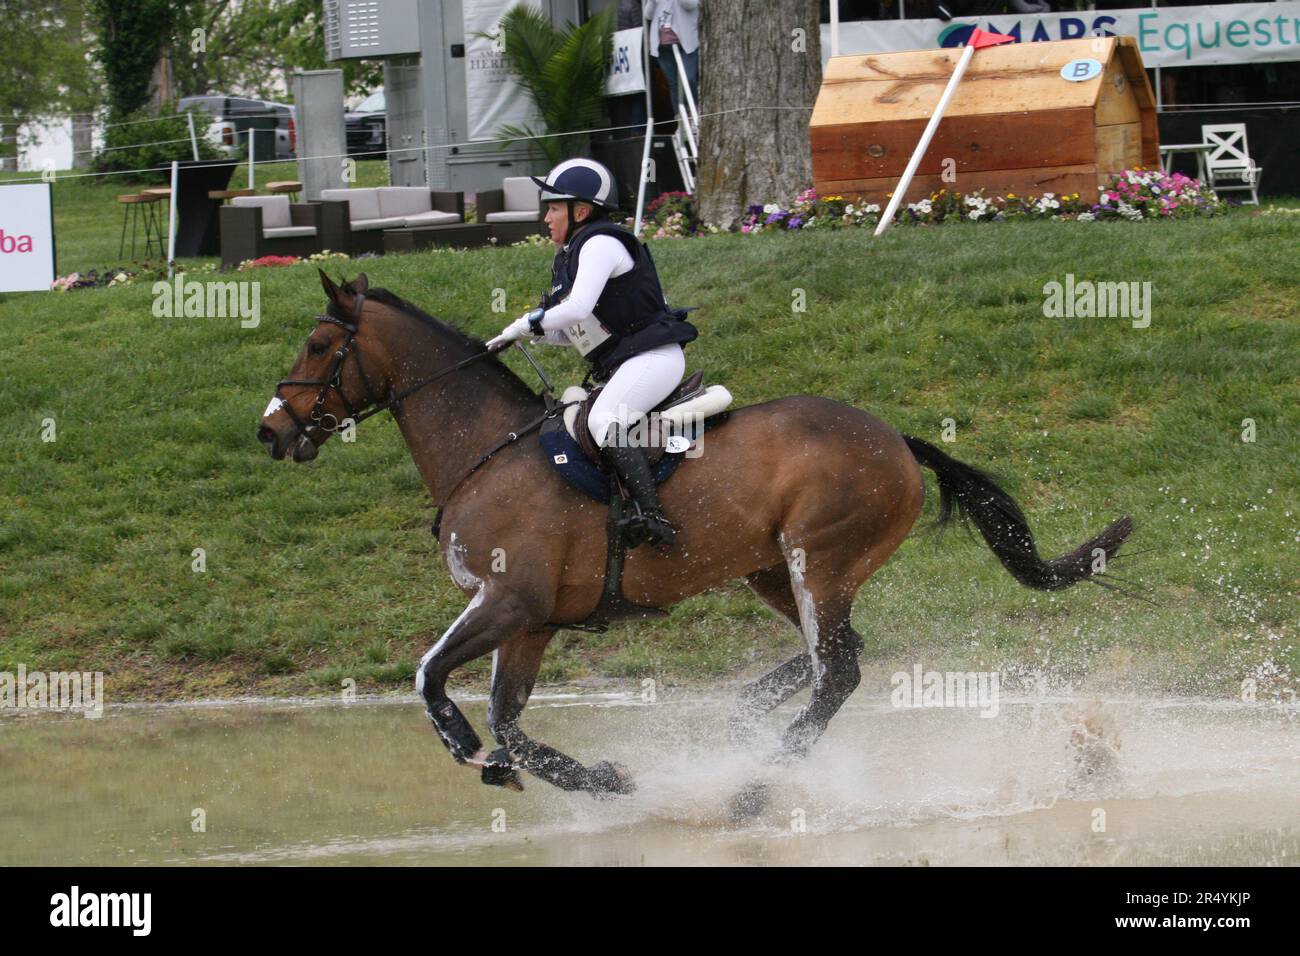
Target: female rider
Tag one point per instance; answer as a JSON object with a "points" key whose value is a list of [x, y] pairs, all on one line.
{"points": [[606, 302]]}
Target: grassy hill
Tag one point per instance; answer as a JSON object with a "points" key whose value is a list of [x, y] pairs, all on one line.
{"points": [[321, 572]]}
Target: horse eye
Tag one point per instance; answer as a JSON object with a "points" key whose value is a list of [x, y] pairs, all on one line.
{"points": [[316, 348]]}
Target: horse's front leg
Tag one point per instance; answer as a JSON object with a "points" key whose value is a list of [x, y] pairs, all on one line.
{"points": [[488, 621], [514, 672]]}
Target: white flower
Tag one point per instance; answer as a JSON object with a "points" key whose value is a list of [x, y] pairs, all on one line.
{"points": [[872, 208], [1086, 217], [849, 209], [771, 208]]}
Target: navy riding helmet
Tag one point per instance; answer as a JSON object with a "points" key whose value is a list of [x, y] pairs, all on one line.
{"points": [[580, 179]]}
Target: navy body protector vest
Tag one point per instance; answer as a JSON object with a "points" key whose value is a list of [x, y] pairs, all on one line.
{"points": [[631, 308]]}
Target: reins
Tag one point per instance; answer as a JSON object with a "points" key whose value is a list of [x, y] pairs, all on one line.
{"points": [[332, 380]]}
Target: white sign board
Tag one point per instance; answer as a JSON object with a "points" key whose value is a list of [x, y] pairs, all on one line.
{"points": [[493, 97], [626, 71], [26, 238], [1166, 36]]}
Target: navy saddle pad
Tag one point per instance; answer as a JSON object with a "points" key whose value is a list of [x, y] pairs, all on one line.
{"points": [[568, 459]]}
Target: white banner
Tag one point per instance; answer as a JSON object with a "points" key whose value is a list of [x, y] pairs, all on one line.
{"points": [[1167, 36], [26, 238], [626, 72], [492, 96]]}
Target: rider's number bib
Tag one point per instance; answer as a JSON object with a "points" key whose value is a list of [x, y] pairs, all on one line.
{"points": [[587, 334]]}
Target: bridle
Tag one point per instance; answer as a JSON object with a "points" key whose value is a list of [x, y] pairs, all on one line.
{"points": [[323, 421], [371, 406]]}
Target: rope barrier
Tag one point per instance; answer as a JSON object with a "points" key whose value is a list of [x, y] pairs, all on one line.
{"points": [[403, 149]]}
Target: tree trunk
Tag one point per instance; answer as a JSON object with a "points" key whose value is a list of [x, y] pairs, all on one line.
{"points": [[755, 53]]}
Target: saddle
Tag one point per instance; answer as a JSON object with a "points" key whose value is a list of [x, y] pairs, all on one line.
{"points": [[672, 431], [691, 388], [668, 433]]}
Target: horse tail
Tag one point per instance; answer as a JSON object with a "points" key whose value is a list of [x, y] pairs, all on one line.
{"points": [[968, 492]]}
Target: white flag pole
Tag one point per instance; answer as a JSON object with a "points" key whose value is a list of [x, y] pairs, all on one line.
{"points": [[194, 142], [888, 215]]}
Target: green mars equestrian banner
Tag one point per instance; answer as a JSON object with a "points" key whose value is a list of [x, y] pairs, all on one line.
{"points": [[1167, 36]]}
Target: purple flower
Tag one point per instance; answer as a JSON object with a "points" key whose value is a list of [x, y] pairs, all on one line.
{"points": [[775, 217], [794, 223]]}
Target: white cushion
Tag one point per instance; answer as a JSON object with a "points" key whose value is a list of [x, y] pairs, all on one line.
{"points": [[434, 217], [362, 203], [521, 194], [282, 232], [714, 400], [275, 209], [404, 200], [360, 225], [512, 217]]}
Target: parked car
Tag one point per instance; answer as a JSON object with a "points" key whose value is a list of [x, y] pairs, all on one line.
{"points": [[367, 127], [232, 116]]}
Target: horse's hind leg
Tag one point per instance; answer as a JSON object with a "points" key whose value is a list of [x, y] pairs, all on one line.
{"points": [[778, 685], [833, 647], [514, 671]]}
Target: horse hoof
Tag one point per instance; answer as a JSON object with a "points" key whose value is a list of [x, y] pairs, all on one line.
{"points": [[606, 778], [498, 771], [749, 803]]}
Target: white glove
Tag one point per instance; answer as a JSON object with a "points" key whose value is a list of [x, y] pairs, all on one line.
{"points": [[518, 329]]}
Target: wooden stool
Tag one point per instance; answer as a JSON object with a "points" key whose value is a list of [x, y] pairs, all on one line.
{"points": [[291, 186], [138, 207], [225, 194]]}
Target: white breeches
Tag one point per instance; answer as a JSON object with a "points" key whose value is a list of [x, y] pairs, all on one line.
{"points": [[638, 385]]}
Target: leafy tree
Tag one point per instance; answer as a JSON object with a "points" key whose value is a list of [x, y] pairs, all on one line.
{"points": [[225, 47], [44, 69], [132, 37]]}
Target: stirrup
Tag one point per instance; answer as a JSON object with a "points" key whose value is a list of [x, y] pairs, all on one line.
{"points": [[637, 526]]}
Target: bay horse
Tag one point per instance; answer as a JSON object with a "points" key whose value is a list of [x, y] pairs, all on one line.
{"points": [[802, 496]]}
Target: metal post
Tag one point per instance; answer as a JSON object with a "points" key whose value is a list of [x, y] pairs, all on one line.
{"points": [[835, 27], [171, 219], [251, 183], [194, 141]]}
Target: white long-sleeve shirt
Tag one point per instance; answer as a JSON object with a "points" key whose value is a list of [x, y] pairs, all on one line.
{"points": [[601, 259], [684, 16]]}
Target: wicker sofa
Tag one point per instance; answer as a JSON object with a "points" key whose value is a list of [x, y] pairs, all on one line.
{"points": [[513, 212], [362, 215], [256, 226]]}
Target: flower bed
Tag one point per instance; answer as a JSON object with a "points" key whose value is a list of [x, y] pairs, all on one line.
{"points": [[1134, 195], [275, 261]]}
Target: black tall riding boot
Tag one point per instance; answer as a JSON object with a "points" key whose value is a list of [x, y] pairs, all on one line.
{"points": [[630, 463]]}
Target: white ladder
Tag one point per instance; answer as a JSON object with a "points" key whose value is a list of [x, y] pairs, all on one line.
{"points": [[686, 140]]}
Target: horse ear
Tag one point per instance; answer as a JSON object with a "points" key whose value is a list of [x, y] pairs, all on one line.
{"points": [[331, 290], [360, 284]]}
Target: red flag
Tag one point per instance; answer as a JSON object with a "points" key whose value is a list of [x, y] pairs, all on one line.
{"points": [[979, 38]]}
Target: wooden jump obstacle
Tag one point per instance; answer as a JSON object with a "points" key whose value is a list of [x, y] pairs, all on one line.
{"points": [[1014, 124]]}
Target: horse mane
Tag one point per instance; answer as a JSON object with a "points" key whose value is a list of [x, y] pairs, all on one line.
{"points": [[450, 332]]}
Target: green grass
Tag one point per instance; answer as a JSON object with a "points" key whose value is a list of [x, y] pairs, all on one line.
{"points": [[324, 572]]}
